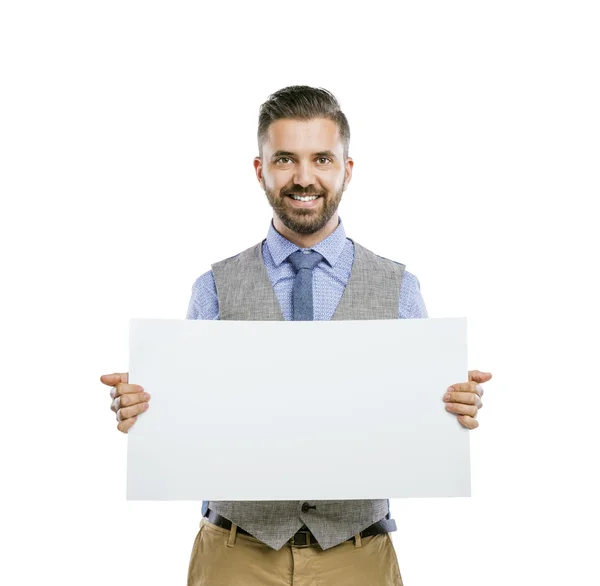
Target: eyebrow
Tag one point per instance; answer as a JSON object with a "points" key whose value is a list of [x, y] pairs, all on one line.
{"points": [[290, 154]]}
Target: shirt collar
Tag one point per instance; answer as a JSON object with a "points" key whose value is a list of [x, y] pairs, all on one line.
{"points": [[330, 248]]}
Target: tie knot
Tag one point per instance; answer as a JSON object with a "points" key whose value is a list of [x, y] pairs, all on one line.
{"points": [[303, 260]]}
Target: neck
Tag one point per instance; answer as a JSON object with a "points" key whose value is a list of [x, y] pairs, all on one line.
{"points": [[306, 240]]}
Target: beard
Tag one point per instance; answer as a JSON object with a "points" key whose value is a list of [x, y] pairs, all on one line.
{"points": [[307, 220]]}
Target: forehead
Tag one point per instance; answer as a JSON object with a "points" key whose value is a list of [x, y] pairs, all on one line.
{"points": [[300, 136]]}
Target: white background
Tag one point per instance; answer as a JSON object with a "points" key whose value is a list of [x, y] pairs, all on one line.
{"points": [[127, 133]]}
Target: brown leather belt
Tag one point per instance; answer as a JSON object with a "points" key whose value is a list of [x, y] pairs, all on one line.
{"points": [[304, 536]]}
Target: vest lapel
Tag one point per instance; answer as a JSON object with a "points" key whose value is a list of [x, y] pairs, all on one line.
{"points": [[244, 289], [373, 289]]}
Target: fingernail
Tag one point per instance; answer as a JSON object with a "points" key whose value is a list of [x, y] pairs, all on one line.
{"points": [[146, 405], [446, 396], [146, 396], [450, 389]]}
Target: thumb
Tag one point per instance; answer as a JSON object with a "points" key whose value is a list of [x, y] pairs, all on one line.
{"points": [[112, 379], [479, 377]]}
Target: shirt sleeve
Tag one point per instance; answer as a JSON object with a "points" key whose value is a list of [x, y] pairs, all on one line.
{"points": [[204, 303], [412, 304]]}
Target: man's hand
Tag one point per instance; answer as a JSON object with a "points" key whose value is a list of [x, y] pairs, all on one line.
{"points": [[464, 399], [128, 400]]}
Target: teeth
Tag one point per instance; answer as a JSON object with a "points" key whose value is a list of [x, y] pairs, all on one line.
{"points": [[298, 198]]}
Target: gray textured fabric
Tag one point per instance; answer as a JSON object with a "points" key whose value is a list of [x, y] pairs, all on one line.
{"points": [[243, 288], [302, 293], [245, 293]]}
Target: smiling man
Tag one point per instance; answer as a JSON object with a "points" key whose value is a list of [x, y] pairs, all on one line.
{"points": [[305, 269]]}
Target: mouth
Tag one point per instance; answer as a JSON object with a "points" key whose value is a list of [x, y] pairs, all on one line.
{"points": [[302, 197], [303, 201]]}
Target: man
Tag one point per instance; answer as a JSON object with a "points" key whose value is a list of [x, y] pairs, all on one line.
{"points": [[306, 269]]}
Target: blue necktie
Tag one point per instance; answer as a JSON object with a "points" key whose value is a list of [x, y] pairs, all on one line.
{"points": [[302, 292]]}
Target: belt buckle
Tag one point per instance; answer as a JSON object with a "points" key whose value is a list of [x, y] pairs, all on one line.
{"points": [[307, 544]]}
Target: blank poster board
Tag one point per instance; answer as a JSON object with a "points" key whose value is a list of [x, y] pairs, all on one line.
{"points": [[284, 410]]}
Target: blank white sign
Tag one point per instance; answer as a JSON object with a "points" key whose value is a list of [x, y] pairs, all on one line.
{"points": [[283, 410]]}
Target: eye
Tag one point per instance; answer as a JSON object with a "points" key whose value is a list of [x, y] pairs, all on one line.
{"points": [[280, 158], [324, 159]]}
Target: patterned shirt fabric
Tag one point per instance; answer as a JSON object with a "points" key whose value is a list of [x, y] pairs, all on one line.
{"points": [[330, 278]]}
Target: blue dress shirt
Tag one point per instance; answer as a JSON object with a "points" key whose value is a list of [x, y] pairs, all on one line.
{"points": [[329, 281]]}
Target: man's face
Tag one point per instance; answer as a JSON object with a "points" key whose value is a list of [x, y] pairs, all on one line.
{"points": [[304, 158]]}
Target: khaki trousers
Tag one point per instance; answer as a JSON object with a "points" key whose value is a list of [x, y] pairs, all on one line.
{"points": [[224, 557]]}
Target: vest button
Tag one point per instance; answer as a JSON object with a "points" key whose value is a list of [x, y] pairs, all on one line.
{"points": [[305, 507]]}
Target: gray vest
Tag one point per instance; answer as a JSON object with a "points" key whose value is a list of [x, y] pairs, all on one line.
{"points": [[245, 292]]}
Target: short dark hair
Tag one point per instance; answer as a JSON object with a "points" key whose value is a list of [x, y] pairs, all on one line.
{"points": [[302, 102]]}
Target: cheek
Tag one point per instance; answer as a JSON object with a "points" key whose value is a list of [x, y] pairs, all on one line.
{"points": [[333, 183], [277, 181]]}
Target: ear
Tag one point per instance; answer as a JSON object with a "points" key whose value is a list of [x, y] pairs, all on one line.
{"points": [[348, 171], [258, 170]]}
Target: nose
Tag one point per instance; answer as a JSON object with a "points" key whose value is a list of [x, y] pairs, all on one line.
{"points": [[304, 174]]}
